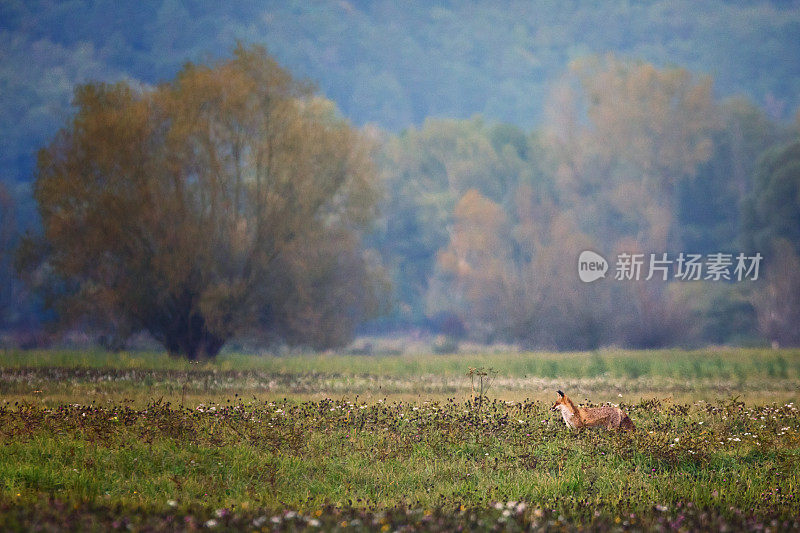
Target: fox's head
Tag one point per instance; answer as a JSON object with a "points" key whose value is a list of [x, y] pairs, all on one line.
{"points": [[559, 401]]}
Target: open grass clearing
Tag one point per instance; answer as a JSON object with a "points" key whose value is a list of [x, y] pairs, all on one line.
{"points": [[251, 442]]}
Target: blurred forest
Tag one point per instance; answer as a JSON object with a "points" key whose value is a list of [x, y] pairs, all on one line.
{"points": [[507, 139]]}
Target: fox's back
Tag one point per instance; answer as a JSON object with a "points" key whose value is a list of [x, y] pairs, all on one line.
{"points": [[609, 416]]}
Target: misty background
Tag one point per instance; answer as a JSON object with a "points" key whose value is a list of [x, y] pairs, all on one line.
{"points": [[506, 139]]}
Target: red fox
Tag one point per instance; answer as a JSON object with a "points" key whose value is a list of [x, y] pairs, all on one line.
{"points": [[579, 417]]}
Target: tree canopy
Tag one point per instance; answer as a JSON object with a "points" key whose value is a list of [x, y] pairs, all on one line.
{"points": [[772, 209], [229, 198]]}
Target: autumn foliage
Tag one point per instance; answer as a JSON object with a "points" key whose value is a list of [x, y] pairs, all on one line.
{"points": [[629, 161], [229, 200]]}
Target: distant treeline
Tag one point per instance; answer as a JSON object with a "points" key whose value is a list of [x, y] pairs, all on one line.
{"points": [[475, 225], [483, 223], [478, 219]]}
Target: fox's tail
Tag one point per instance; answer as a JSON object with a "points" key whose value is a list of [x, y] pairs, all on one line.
{"points": [[627, 424]]}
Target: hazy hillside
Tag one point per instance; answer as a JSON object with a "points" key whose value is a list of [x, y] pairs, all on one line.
{"points": [[385, 62]]}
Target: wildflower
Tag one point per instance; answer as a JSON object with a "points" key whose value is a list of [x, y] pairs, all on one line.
{"points": [[172, 503], [210, 523]]}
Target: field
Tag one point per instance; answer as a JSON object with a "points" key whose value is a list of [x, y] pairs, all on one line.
{"points": [[97, 441]]}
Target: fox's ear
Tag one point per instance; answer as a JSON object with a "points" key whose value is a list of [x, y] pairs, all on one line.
{"points": [[560, 393]]}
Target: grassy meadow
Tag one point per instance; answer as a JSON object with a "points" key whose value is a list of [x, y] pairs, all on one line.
{"points": [[98, 441]]}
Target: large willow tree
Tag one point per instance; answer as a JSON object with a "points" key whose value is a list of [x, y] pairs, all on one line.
{"points": [[227, 200]]}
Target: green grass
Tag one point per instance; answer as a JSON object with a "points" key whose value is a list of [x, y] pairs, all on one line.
{"points": [[725, 363], [314, 456], [90, 444], [55, 377]]}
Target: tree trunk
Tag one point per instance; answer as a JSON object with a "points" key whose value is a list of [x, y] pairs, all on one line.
{"points": [[189, 337]]}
